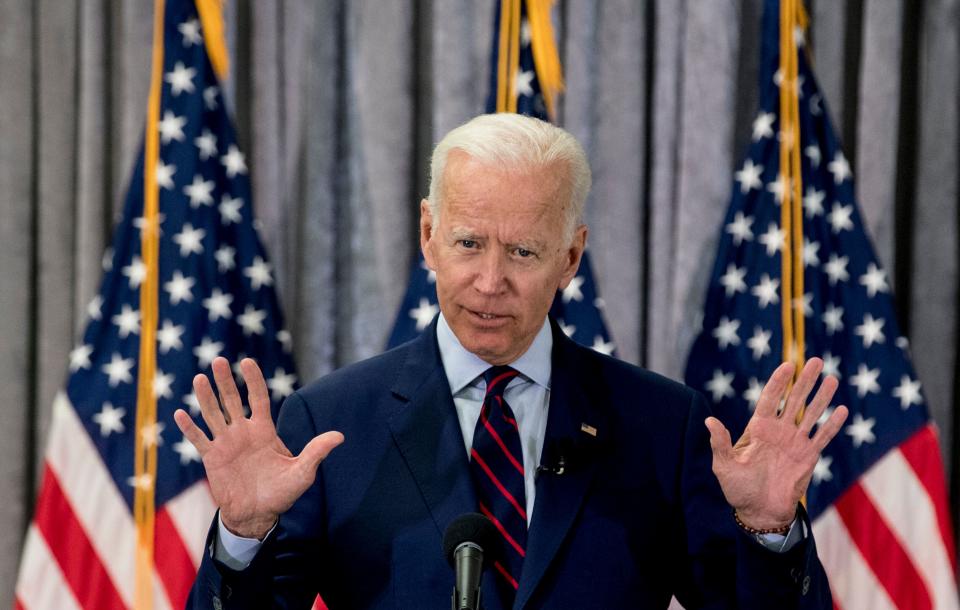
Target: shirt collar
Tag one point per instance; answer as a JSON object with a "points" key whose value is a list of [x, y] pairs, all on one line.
{"points": [[463, 366]]}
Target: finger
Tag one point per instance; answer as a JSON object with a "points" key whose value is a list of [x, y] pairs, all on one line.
{"points": [[829, 429], [209, 407], [318, 449], [801, 389], [720, 441], [257, 393], [227, 386], [770, 396], [191, 431], [819, 404]]}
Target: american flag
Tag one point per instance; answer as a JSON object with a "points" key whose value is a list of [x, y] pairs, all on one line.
{"points": [[216, 298], [578, 308], [877, 497]]}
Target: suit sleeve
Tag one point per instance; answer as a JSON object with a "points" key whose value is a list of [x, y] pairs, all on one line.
{"points": [[288, 569], [728, 568]]}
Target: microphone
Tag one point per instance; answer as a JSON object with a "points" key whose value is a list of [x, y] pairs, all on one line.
{"points": [[469, 539], [557, 457]]}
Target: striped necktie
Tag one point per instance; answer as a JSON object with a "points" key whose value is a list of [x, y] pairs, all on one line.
{"points": [[496, 463]]}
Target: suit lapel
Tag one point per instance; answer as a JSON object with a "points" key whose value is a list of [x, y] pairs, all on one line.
{"points": [[561, 496]]}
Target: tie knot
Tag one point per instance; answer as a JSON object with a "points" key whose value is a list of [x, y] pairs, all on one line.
{"points": [[497, 378]]}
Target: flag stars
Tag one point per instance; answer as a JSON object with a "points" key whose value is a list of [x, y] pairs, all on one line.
{"points": [[767, 291], [763, 126], [836, 269], [191, 402], [200, 191], [866, 380], [190, 30], [149, 226], [875, 280], [423, 314], [821, 472], [604, 347], [281, 384], [831, 365], [118, 370], [207, 351], [720, 385], [187, 452], [210, 97], [110, 419], [206, 144], [161, 385], [80, 358], [259, 273], [180, 288], [169, 337], [733, 280], [189, 240], [778, 188], [127, 321], [726, 332], [136, 272], [871, 330], [861, 430], [94, 308], [839, 218], [812, 152], [811, 258], [234, 161], [152, 434], [230, 209], [839, 168], [180, 79], [171, 127], [431, 274], [833, 318], [752, 393], [805, 303], [759, 343], [749, 176], [218, 305], [525, 83], [164, 174], [224, 256], [740, 229], [286, 341], [252, 320], [573, 290], [568, 329], [813, 202], [773, 239], [143, 481], [908, 392]]}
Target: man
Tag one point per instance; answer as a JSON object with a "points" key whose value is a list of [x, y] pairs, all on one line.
{"points": [[625, 510]]}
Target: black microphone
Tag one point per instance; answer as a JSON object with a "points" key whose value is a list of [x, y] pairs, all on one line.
{"points": [[556, 457], [469, 539]]}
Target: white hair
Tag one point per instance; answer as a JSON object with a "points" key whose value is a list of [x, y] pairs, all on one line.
{"points": [[513, 140]]}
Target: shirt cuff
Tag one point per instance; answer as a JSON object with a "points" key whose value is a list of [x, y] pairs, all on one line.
{"points": [[235, 552], [781, 543]]}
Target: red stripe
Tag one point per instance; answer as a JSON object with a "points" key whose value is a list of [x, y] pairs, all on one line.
{"points": [[173, 562], [505, 574], [318, 604], [506, 418], [881, 550], [68, 543], [493, 382], [506, 452], [922, 452], [18, 605], [476, 457], [503, 530]]}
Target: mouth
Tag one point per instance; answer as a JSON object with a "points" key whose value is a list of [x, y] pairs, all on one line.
{"points": [[486, 317]]}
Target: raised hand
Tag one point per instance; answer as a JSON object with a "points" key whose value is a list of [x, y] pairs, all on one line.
{"points": [[252, 475], [766, 473]]}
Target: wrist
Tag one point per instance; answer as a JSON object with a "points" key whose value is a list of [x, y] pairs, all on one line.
{"points": [[249, 528], [757, 525]]}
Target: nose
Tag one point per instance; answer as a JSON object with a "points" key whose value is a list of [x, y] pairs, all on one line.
{"points": [[491, 277]]}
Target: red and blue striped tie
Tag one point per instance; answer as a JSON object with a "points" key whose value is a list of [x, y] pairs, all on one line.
{"points": [[496, 461]]}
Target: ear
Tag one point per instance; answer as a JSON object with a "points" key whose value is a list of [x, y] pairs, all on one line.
{"points": [[426, 233], [573, 255]]}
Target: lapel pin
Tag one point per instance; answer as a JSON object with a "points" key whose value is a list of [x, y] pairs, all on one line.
{"points": [[585, 427]]}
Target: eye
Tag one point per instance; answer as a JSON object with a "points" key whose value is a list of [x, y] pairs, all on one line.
{"points": [[524, 253], [468, 243]]}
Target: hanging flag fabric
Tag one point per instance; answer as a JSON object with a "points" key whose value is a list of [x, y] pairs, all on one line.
{"points": [[877, 497], [214, 296], [525, 78]]}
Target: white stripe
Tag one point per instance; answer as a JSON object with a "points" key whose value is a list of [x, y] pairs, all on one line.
{"points": [[901, 499], [92, 494], [192, 512], [853, 583], [40, 584], [160, 599]]}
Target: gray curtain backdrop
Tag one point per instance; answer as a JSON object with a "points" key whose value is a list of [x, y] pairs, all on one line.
{"points": [[337, 103]]}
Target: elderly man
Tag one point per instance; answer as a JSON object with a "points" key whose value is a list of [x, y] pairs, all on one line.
{"points": [[609, 486]]}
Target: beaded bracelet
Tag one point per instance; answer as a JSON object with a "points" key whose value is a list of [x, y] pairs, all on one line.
{"points": [[752, 530]]}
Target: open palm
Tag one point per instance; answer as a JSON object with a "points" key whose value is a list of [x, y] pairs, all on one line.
{"points": [[252, 475]]}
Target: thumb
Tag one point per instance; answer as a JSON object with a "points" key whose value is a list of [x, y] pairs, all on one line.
{"points": [[720, 441], [318, 449]]}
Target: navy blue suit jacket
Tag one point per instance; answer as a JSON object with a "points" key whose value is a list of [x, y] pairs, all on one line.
{"points": [[637, 515]]}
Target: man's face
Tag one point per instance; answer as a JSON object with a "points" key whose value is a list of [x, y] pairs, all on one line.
{"points": [[499, 253]]}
